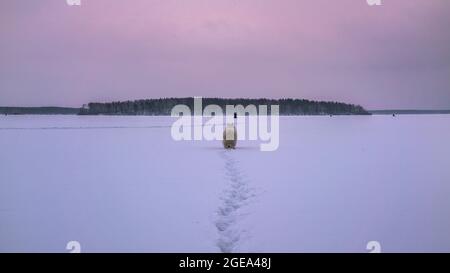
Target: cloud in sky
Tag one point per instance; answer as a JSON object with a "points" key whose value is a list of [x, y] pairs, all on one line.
{"points": [[393, 56]]}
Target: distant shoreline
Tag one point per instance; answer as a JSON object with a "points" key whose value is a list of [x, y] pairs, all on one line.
{"points": [[54, 110], [409, 112], [46, 110], [164, 107]]}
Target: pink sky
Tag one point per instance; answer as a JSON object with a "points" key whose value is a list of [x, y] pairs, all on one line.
{"points": [[393, 56]]}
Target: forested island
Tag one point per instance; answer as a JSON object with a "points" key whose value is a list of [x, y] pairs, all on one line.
{"points": [[163, 107]]}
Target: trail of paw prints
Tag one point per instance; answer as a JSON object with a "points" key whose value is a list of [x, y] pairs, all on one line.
{"points": [[236, 196]]}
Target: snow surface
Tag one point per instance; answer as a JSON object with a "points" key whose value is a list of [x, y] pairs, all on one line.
{"points": [[121, 184]]}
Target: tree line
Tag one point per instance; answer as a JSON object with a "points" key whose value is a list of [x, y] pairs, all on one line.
{"points": [[163, 106]]}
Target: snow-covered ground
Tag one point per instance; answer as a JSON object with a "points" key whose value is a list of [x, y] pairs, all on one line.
{"points": [[122, 184]]}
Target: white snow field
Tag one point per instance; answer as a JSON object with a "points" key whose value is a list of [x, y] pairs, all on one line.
{"points": [[121, 184]]}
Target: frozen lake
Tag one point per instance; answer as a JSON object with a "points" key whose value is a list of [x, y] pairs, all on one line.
{"points": [[122, 184]]}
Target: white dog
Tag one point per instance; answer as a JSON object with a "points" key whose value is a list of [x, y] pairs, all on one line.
{"points": [[230, 137]]}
